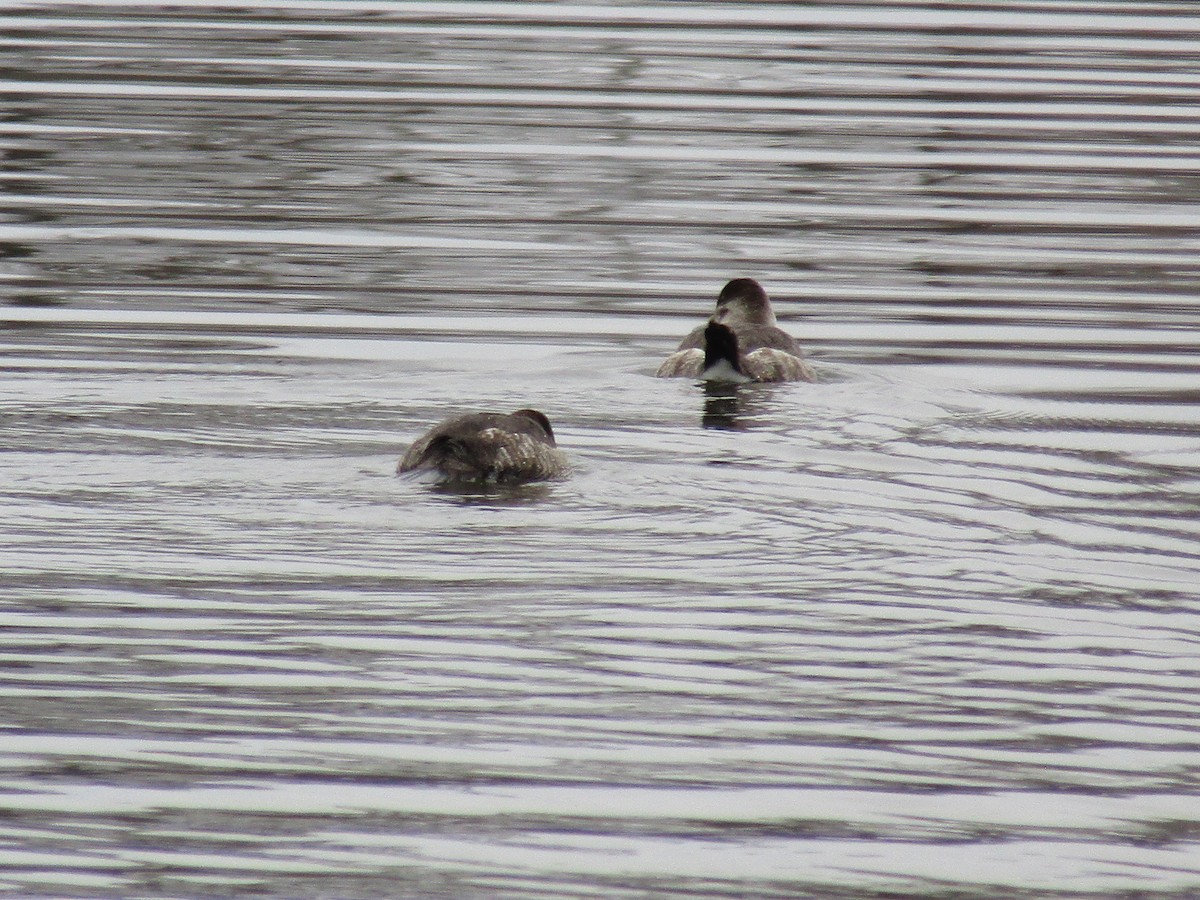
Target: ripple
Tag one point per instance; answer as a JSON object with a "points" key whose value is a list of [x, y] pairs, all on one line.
{"points": [[926, 626]]}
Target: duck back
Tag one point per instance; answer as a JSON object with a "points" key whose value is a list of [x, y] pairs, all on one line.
{"points": [[489, 447]]}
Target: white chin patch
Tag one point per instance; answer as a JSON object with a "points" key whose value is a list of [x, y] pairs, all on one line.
{"points": [[723, 371]]}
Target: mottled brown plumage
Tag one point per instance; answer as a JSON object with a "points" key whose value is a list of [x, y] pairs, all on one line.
{"points": [[489, 447]]}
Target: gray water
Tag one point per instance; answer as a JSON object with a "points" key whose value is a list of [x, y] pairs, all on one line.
{"points": [[926, 628]]}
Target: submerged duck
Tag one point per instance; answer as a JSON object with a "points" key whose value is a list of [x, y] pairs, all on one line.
{"points": [[741, 342], [489, 447]]}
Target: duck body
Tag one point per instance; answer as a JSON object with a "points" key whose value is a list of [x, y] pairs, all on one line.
{"points": [[496, 448], [740, 343]]}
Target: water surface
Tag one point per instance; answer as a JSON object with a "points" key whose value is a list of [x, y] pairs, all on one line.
{"points": [[925, 628]]}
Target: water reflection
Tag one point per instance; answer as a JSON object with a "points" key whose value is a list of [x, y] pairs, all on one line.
{"points": [[484, 495], [736, 407]]}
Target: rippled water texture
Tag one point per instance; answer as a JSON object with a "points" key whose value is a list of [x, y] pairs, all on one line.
{"points": [[926, 628]]}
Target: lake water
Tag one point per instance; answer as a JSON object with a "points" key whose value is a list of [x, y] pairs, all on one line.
{"points": [[929, 627]]}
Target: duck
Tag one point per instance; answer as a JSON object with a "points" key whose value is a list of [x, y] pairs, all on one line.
{"points": [[488, 447], [740, 343]]}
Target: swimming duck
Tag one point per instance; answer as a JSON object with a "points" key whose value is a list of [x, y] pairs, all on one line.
{"points": [[741, 342], [489, 447]]}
